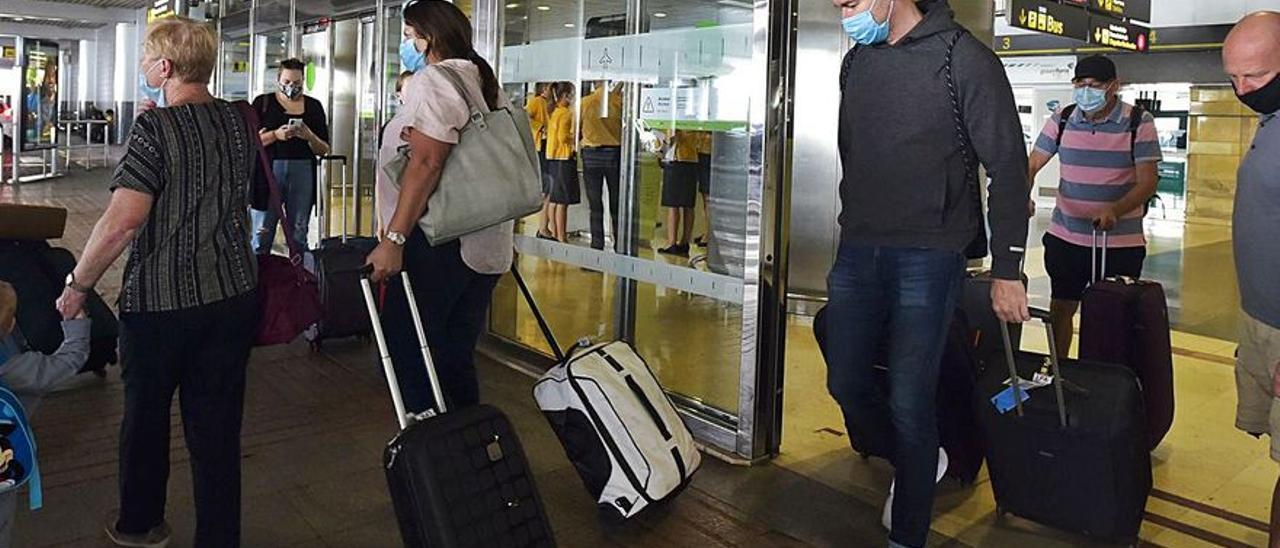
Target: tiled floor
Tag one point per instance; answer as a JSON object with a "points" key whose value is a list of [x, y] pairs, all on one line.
{"points": [[316, 424]]}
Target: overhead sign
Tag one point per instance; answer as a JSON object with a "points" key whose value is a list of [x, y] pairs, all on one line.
{"points": [[1054, 69], [159, 10], [1139, 10], [1114, 33], [1050, 18]]}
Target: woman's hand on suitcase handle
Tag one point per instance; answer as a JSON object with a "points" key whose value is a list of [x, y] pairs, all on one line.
{"points": [[386, 261], [1009, 301]]}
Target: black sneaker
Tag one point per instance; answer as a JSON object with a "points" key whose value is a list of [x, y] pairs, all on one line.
{"points": [[675, 249]]}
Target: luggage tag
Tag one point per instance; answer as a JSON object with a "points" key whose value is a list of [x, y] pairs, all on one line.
{"points": [[1004, 400]]}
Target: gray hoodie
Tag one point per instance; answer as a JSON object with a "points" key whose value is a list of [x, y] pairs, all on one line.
{"points": [[31, 375], [905, 182]]}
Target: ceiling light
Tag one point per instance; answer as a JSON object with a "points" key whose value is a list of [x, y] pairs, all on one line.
{"points": [[659, 15], [568, 25], [513, 5], [18, 19], [544, 8]]}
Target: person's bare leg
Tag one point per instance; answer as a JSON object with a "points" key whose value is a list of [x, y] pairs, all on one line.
{"points": [[673, 225], [545, 228], [1275, 516], [688, 225], [562, 222], [1063, 314]]}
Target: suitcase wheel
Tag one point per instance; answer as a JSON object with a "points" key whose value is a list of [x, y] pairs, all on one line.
{"points": [[316, 345]]}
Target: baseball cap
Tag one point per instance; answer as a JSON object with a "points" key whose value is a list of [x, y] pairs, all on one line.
{"points": [[1097, 67]]}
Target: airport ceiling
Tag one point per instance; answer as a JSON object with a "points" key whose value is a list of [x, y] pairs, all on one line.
{"points": [[127, 4]]}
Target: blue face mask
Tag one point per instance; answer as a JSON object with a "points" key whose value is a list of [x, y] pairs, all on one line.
{"points": [[155, 94], [410, 58], [863, 28], [1090, 100]]}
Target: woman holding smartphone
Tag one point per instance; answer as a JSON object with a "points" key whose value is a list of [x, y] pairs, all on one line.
{"points": [[294, 131]]}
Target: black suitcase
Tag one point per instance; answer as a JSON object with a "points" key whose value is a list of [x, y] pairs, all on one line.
{"points": [[958, 430], [1073, 456], [457, 478], [976, 303], [38, 273], [336, 265]]}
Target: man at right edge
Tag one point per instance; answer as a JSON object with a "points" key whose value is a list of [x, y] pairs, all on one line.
{"points": [[910, 214], [1251, 57]]}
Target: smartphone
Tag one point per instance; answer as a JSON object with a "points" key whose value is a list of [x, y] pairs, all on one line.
{"points": [[295, 123]]}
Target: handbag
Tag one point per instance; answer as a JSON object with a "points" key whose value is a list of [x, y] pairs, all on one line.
{"points": [[492, 175], [288, 295]]}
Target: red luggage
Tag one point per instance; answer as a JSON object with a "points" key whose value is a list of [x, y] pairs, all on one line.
{"points": [[1126, 321]]}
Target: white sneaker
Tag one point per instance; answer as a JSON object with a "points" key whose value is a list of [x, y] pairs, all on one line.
{"points": [[886, 518]]}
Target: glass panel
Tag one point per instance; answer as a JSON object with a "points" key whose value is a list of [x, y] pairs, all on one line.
{"points": [[236, 72], [272, 48], [688, 68], [366, 118], [578, 302], [693, 151]]}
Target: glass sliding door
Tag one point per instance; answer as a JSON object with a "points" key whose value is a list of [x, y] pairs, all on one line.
{"points": [[668, 98]]}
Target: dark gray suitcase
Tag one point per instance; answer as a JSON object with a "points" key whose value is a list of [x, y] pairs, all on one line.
{"points": [[457, 478], [336, 265], [1073, 456]]}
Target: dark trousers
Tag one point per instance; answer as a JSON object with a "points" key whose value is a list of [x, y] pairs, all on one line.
{"points": [[201, 353], [454, 303], [904, 297], [600, 166]]}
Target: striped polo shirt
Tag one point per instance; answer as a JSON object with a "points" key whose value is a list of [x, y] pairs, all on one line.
{"points": [[1098, 170]]}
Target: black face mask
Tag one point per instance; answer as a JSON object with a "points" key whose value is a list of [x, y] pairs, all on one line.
{"points": [[1264, 100]]}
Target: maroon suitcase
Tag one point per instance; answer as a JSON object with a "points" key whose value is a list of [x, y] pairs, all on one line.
{"points": [[1126, 321]]}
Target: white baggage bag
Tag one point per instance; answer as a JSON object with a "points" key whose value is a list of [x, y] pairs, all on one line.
{"points": [[616, 423]]}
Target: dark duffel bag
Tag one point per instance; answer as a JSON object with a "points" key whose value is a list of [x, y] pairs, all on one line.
{"points": [[958, 430], [458, 478], [38, 273], [1073, 455], [1126, 322]]}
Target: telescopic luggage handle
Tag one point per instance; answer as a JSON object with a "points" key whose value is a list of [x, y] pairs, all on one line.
{"points": [[1016, 383], [388, 368], [1094, 273], [537, 315]]}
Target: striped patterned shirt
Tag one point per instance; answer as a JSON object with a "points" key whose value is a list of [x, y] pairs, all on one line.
{"points": [[1098, 170], [195, 161]]}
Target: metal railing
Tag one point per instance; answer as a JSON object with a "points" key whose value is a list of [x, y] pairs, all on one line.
{"points": [[92, 152]]}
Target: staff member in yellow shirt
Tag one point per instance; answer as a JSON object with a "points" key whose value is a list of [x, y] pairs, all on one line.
{"points": [[602, 156], [539, 109], [680, 190], [562, 164]]}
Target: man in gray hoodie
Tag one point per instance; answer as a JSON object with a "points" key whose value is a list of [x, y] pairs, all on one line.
{"points": [[30, 375], [924, 103]]}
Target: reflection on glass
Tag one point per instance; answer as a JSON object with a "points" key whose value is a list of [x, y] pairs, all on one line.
{"points": [[273, 47], [236, 69], [689, 69]]}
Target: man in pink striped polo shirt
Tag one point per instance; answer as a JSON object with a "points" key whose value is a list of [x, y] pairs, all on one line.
{"points": [[1109, 151]]}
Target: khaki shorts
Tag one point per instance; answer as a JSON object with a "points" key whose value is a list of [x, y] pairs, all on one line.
{"points": [[1256, 380]]}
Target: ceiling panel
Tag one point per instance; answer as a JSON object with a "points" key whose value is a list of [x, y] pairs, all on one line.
{"points": [[130, 4], [59, 23]]}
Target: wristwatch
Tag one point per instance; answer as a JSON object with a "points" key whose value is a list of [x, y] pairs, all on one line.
{"points": [[396, 238], [71, 282]]}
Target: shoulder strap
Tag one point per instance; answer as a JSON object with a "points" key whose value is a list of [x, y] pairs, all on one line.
{"points": [[1135, 124], [845, 67], [957, 109], [274, 203], [476, 110], [1063, 120]]}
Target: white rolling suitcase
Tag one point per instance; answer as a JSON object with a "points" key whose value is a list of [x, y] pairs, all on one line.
{"points": [[616, 423]]}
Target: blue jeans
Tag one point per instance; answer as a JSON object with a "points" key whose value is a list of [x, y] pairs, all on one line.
{"points": [[902, 298], [297, 180]]}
